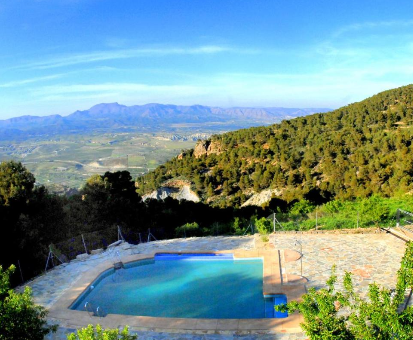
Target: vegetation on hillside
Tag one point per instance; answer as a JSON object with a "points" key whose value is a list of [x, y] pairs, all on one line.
{"points": [[356, 151], [32, 219]]}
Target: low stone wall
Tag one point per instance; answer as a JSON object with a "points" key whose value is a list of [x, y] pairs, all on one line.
{"points": [[374, 230]]}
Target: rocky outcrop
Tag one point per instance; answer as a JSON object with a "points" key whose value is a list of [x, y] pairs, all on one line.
{"points": [[262, 197], [174, 190], [201, 148], [207, 147]]}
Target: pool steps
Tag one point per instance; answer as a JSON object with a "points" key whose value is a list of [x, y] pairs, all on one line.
{"points": [[275, 300], [92, 312], [118, 265]]}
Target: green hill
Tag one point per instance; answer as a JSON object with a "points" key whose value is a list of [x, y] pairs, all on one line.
{"points": [[355, 151]]}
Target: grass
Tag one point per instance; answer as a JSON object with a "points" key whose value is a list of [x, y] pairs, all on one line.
{"points": [[363, 213]]}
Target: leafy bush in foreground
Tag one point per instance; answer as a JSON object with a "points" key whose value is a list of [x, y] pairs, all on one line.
{"points": [[89, 333], [20, 318]]}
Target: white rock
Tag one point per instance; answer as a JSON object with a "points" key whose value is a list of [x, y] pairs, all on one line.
{"points": [[183, 192], [262, 197], [82, 257], [97, 251]]}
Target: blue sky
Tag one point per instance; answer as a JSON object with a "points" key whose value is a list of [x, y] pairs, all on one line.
{"points": [[58, 56]]}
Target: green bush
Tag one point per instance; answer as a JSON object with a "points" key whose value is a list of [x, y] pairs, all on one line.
{"points": [[90, 333], [307, 225], [217, 228], [340, 214], [20, 318], [289, 225], [301, 208], [263, 226], [337, 223], [188, 230], [237, 226]]}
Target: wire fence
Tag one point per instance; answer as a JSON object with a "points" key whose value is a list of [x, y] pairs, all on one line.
{"points": [[69, 249], [44, 258], [85, 243]]}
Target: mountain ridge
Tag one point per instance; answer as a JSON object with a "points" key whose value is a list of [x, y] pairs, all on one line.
{"points": [[148, 116]]}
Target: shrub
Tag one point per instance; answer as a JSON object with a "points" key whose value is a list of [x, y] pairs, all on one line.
{"points": [[237, 226], [301, 208], [263, 226], [90, 333], [188, 230], [20, 318]]}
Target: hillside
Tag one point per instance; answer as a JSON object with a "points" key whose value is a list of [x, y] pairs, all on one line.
{"points": [[355, 151], [150, 117]]}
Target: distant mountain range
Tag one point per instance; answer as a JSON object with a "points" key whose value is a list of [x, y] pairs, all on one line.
{"points": [[114, 116]]}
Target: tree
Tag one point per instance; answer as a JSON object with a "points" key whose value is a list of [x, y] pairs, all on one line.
{"points": [[89, 333], [120, 183], [16, 196], [330, 314], [16, 183], [109, 200], [20, 318]]}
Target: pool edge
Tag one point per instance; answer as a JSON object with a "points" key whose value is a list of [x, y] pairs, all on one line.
{"points": [[272, 284]]}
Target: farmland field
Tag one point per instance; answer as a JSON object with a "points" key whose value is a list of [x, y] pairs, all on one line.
{"points": [[62, 162]]}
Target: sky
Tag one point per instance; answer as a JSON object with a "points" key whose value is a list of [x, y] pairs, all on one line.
{"points": [[59, 56]]}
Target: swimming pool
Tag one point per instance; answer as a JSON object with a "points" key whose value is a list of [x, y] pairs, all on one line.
{"points": [[182, 286]]}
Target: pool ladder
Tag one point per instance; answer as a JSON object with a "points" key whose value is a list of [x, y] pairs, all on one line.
{"points": [[92, 312]]}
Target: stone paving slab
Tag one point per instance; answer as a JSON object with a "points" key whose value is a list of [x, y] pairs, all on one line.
{"points": [[369, 257], [159, 335]]}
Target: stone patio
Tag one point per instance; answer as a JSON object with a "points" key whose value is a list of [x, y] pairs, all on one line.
{"points": [[373, 257]]}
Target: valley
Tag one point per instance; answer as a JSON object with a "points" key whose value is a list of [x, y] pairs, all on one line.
{"points": [[64, 162], [63, 151]]}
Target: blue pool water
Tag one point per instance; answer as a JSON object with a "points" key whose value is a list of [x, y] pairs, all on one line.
{"points": [[184, 287]]}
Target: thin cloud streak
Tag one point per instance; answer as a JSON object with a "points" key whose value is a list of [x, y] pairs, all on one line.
{"points": [[30, 81], [371, 25], [225, 89], [23, 82], [83, 58], [115, 90]]}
